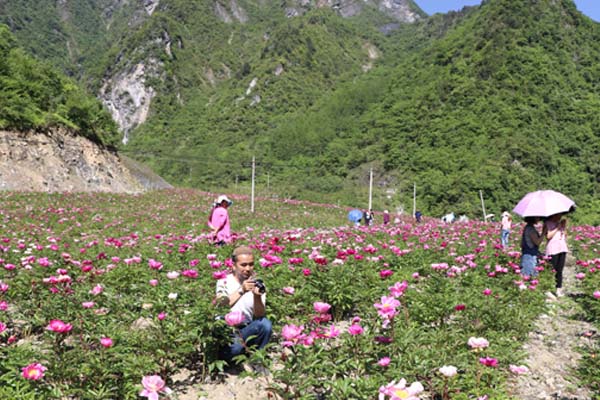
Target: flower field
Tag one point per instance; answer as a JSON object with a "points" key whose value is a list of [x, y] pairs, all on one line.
{"points": [[106, 296]]}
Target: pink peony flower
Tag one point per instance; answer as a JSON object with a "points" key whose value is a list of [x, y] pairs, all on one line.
{"points": [[161, 315], [3, 305], [385, 273], [288, 290], [153, 282], [234, 318], [321, 308], [106, 342], [56, 325], [384, 361], [596, 294], [478, 343], [487, 292], [172, 274], [3, 327], [355, 329], [153, 384], [97, 290], [306, 271], [88, 304], [460, 307], [153, 264], [398, 289], [219, 275], [448, 371], [399, 391], [489, 361], [518, 369], [33, 371], [387, 307]]}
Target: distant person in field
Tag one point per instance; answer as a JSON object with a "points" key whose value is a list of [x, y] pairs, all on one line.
{"points": [[367, 217], [530, 244], [418, 216], [218, 221], [555, 228], [505, 226], [243, 292], [386, 217]]}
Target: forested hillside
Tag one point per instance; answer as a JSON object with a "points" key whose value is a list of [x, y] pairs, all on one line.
{"points": [[506, 102], [35, 96], [501, 98]]}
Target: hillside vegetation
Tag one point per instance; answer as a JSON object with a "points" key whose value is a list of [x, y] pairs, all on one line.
{"points": [[501, 98], [35, 96]]}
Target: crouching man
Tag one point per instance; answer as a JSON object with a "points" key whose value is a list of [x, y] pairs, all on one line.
{"points": [[242, 292]]}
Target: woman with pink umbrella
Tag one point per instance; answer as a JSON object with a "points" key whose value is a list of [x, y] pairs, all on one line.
{"points": [[552, 206]]}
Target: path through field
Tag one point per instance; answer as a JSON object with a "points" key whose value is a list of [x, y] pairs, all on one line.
{"points": [[552, 348]]}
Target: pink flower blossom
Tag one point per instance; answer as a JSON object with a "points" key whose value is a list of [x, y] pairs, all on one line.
{"points": [[355, 329], [399, 391], [97, 290], [88, 304], [288, 290], [487, 292], [448, 371], [596, 294], [3, 327], [219, 275], [161, 315], [33, 371], [153, 282], [106, 342], [460, 307], [385, 273], [387, 307], [518, 369], [489, 361], [172, 274], [3, 305], [580, 276], [234, 318], [321, 308], [384, 361], [306, 271], [478, 343], [153, 384], [398, 289], [153, 264], [292, 334], [56, 325]]}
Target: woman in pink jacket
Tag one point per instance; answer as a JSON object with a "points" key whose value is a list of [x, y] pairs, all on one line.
{"points": [[556, 248], [218, 221]]}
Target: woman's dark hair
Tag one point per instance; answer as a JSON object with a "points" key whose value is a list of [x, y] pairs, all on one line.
{"points": [[531, 220]]}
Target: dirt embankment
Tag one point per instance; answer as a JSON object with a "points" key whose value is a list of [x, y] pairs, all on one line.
{"points": [[57, 161]]}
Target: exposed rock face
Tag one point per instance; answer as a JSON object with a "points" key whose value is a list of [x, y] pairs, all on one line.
{"points": [[150, 6], [401, 10], [59, 161], [127, 96]]}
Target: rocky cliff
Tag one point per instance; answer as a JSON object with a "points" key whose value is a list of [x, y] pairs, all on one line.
{"points": [[58, 160]]}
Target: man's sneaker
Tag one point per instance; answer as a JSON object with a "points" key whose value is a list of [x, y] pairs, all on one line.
{"points": [[559, 292]]}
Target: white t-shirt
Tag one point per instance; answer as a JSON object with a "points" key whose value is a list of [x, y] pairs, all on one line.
{"points": [[229, 285]]}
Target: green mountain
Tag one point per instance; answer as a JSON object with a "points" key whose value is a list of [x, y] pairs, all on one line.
{"points": [[34, 95], [499, 98]]}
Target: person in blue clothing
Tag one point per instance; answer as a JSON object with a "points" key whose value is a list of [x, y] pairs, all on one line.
{"points": [[530, 244]]}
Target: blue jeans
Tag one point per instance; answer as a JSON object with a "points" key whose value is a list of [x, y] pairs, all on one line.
{"points": [[528, 264], [504, 237], [261, 330]]}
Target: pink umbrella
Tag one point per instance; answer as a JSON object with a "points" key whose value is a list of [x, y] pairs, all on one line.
{"points": [[543, 203]]}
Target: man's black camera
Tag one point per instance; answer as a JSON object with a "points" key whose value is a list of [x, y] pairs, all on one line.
{"points": [[260, 285]]}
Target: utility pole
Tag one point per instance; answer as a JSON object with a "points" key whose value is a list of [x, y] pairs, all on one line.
{"points": [[414, 199], [483, 206], [252, 194], [370, 188]]}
